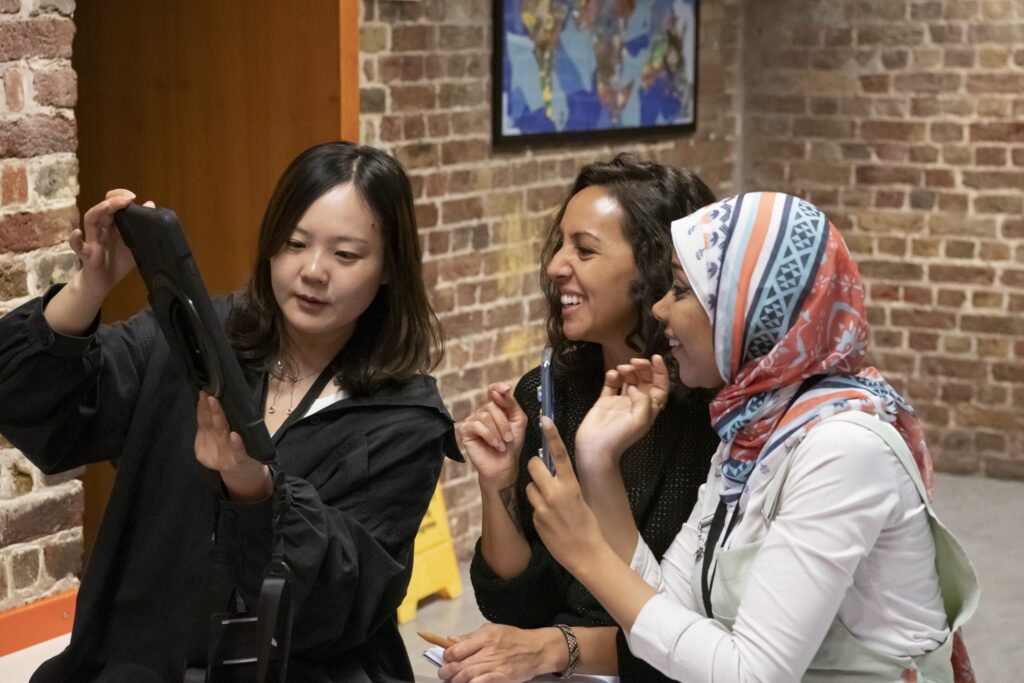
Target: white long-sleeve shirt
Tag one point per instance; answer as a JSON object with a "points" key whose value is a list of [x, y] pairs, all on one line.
{"points": [[851, 538]]}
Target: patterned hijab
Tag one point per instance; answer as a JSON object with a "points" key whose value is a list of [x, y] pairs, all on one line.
{"points": [[786, 305]]}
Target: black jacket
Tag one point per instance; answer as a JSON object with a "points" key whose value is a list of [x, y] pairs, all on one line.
{"points": [[172, 548]]}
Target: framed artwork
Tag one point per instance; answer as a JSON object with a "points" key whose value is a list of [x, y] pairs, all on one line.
{"points": [[572, 70]]}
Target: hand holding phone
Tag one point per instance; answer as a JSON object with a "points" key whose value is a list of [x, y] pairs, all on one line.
{"points": [[546, 394]]}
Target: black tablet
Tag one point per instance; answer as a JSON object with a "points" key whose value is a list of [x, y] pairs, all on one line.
{"points": [[183, 310]]}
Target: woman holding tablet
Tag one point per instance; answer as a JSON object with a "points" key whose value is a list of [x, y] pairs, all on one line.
{"points": [[334, 334]]}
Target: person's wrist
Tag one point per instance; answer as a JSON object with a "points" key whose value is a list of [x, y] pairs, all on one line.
{"points": [[249, 484], [597, 460], [554, 652]]}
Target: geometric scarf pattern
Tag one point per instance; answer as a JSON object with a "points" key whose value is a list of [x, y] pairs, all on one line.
{"points": [[786, 303]]}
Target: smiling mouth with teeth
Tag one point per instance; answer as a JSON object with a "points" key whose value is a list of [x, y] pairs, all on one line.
{"points": [[571, 300]]}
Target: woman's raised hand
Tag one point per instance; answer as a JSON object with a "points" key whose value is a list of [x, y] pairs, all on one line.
{"points": [[564, 521], [633, 395], [104, 257], [493, 435], [222, 450]]}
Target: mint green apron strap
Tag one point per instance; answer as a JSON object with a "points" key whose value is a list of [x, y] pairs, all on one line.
{"points": [[958, 580]]}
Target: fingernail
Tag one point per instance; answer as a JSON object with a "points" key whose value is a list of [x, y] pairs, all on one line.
{"points": [[508, 436]]}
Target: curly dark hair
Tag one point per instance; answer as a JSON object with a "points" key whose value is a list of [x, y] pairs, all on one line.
{"points": [[398, 335], [651, 196]]}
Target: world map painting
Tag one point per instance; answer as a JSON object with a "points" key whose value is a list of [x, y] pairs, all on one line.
{"points": [[587, 66]]}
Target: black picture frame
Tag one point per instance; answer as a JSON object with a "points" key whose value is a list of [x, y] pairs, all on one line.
{"points": [[618, 102]]}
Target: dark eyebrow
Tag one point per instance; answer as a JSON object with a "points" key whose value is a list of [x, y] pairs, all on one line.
{"points": [[580, 234], [343, 238]]}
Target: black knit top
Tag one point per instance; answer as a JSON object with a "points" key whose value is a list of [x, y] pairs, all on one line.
{"points": [[662, 472]]}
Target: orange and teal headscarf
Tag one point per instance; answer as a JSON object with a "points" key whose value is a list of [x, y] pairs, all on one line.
{"points": [[786, 305]]}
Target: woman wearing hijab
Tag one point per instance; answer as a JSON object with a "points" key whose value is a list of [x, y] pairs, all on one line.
{"points": [[813, 552]]}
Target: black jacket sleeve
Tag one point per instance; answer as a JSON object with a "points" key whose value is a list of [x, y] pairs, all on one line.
{"points": [[348, 529], [67, 401]]}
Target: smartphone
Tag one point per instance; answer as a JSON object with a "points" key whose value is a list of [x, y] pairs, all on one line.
{"points": [[546, 396]]}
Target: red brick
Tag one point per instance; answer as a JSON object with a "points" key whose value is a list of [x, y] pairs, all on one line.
{"points": [[461, 95], [960, 249], [955, 57], [892, 130], [977, 275], [921, 317], [876, 83], [889, 199], [43, 513], [917, 295], [56, 87], [895, 34], [953, 202], [946, 132], [462, 37], [36, 135], [922, 199], [63, 558], [887, 175], [939, 178], [995, 83], [994, 179], [1013, 228], [1012, 204], [890, 270], [413, 38], [923, 341], [14, 90], [21, 232], [461, 210], [1013, 278], [924, 81], [957, 155], [955, 392], [401, 67], [417, 155], [426, 215], [15, 184], [413, 97], [992, 324], [1002, 133], [41, 37], [952, 367]]}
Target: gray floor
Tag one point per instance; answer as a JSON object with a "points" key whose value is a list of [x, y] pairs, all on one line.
{"points": [[981, 512]]}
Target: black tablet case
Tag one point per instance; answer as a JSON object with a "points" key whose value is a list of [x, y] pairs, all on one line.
{"points": [[183, 310]]}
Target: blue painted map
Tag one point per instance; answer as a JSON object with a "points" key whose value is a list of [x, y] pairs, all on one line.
{"points": [[583, 65]]}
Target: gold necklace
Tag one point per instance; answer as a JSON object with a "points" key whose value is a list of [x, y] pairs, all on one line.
{"points": [[281, 376]]}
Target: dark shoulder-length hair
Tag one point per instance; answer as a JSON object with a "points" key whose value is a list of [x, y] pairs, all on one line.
{"points": [[651, 196], [398, 335]]}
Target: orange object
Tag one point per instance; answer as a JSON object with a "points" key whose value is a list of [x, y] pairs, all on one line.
{"points": [[435, 639], [37, 621]]}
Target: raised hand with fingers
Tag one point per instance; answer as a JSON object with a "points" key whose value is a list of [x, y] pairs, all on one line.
{"points": [[492, 437], [222, 450], [633, 395], [104, 259], [565, 523]]}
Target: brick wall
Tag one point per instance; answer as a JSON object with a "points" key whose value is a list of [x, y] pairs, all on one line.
{"points": [[40, 517], [903, 120], [425, 96]]}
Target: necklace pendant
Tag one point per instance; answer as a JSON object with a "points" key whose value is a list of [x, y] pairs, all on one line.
{"points": [[699, 555], [289, 411], [270, 410]]}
